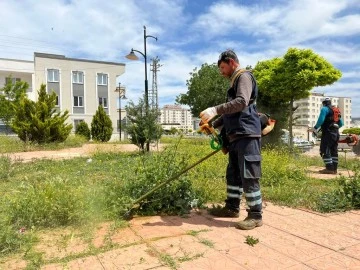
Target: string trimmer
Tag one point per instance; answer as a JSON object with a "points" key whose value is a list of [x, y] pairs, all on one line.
{"points": [[215, 144]]}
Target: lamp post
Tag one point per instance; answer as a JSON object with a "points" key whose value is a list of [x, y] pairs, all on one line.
{"points": [[121, 91], [132, 56]]}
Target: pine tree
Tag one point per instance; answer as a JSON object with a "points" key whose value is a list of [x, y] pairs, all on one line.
{"points": [[101, 126], [83, 129], [142, 127], [38, 121]]}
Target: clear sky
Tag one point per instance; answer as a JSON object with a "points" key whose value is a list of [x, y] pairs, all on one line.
{"points": [[190, 33]]}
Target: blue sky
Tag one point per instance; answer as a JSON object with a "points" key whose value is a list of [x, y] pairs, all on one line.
{"points": [[189, 33]]}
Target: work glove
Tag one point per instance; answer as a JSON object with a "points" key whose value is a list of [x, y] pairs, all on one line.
{"points": [[314, 131], [208, 114]]}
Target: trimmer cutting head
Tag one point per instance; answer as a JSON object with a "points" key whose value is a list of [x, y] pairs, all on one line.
{"points": [[128, 215]]}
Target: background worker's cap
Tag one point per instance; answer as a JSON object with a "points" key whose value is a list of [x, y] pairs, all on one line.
{"points": [[326, 101]]}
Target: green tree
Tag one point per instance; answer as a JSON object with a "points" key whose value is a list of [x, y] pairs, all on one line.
{"points": [[101, 126], [38, 121], [206, 88], [142, 126], [83, 129], [10, 97], [283, 80]]}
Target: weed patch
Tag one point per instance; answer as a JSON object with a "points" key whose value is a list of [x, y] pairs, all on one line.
{"points": [[251, 241], [48, 203], [346, 196]]}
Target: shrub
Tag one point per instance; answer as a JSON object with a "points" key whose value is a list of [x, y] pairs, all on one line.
{"points": [[346, 196], [147, 172], [38, 121], [333, 201], [83, 129], [101, 126], [351, 188]]}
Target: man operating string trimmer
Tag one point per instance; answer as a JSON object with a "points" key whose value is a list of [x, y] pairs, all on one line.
{"points": [[241, 125], [242, 130]]}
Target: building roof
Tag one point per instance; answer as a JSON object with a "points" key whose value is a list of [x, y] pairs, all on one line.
{"points": [[62, 57]]}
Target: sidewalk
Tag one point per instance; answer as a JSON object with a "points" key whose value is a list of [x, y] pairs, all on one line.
{"points": [[289, 239]]}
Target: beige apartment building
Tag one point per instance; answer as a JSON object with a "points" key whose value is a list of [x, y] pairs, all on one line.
{"points": [[174, 116], [80, 85]]}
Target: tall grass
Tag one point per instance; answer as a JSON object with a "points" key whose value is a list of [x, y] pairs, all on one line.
{"points": [[12, 144]]}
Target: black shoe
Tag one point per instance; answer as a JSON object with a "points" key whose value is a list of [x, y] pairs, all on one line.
{"points": [[327, 171], [219, 211], [249, 224]]}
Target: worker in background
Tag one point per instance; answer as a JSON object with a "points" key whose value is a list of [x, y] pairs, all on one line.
{"points": [[242, 128], [329, 121]]}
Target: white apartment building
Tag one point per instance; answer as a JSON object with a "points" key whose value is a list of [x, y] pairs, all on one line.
{"points": [[309, 109], [80, 85], [174, 116]]}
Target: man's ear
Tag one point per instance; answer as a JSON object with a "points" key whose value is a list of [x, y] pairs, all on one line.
{"points": [[232, 63]]}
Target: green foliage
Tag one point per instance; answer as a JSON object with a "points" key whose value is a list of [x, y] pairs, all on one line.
{"points": [[10, 96], [147, 172], [352, 190], [80, 191], [101, 126], [45, 203], [206, 88], [142, 124], [11, 238], [14, 144], [5, 168], [251, 241], [294, 75], [38, 121], [351, 131], [83, 129], [280, 167]]}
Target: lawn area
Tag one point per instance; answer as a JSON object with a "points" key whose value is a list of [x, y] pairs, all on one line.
{"points": [[82, 192]]}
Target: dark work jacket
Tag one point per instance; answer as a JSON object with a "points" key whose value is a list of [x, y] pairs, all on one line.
{"points": [[245, 123]]}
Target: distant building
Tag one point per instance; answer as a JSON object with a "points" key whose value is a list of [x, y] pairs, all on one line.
{"points": [[174, 116], [80, 85], [355, 122], [309, 108]]}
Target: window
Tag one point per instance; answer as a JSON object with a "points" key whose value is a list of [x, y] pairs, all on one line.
{"points": [[103, 101], [78, 101], [102, 79], [53, 75], [11, 80], [78, 77], [57, 101]]}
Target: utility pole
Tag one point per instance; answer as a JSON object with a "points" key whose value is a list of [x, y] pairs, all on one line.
{"points": [[154, 97]]}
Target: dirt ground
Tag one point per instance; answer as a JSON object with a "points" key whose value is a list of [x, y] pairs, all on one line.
{"points": [[84, 151]]}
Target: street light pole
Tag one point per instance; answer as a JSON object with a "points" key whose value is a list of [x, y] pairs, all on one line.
{"points": [[132, 56]]}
